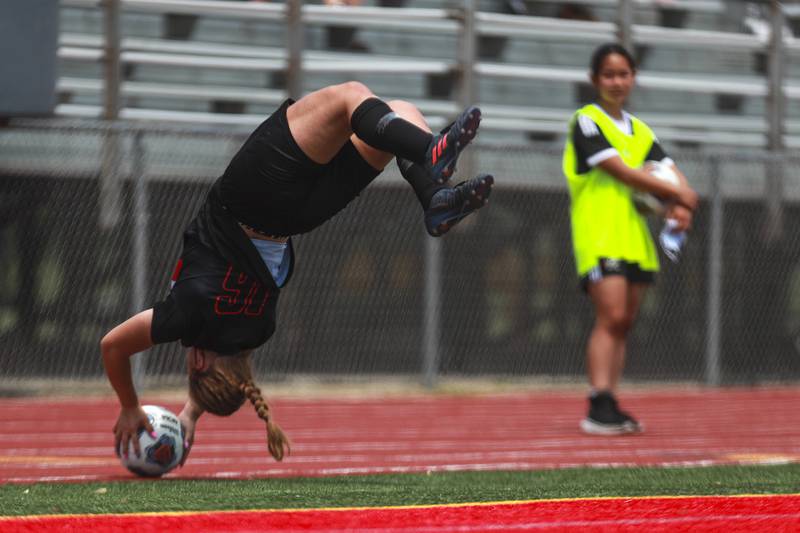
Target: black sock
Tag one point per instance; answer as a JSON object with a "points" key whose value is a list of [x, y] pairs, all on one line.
{"points": [[420, 180], [376, 124]]}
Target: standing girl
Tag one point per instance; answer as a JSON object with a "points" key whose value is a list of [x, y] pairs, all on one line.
{"points": [[615, 255]]}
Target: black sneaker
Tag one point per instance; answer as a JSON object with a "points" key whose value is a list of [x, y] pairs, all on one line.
{"points": [[443, 152], [605, 418], [449, 206]]}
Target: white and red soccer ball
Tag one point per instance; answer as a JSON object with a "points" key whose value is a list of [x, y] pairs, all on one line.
{"points": [[161, 454], [648, 203]]}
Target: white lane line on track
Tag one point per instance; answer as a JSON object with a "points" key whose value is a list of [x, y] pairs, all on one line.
{"points": [[381, 469], [423, 462]]}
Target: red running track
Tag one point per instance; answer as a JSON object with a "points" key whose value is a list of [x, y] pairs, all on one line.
{"points": [[750, 514], [70, 439]]}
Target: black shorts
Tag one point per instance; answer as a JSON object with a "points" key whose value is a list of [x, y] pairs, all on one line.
{"points": [[617, 267], [275, 188]]}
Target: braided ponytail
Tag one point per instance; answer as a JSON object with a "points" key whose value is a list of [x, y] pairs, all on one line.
{"points": [[223, 389], [276, 438]]}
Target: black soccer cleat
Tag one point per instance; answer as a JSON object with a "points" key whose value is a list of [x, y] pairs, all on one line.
{"points": [[449, 206], [443, 152], [605, 417]]}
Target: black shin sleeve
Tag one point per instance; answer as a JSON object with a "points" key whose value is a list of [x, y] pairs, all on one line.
{"points": [[422, 183], [376, 124]]}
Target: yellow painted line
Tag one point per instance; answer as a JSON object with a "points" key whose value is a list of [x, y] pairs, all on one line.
{"points": [[765, 458], [54, 459], [397, 507]]}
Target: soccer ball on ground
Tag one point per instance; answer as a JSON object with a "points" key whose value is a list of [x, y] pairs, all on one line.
{"points": [[648, 203], [159, 455]]}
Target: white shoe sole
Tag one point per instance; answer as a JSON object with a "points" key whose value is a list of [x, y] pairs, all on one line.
{"points": [[594, 428]]}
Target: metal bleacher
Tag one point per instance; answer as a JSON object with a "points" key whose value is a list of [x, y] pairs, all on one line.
{"points": [[698, 83]]}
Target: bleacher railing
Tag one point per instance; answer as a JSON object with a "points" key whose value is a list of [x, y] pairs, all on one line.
{"points": [[465, 22]]}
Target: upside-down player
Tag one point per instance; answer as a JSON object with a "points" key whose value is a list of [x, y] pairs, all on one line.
{"points": [[299, 168]]}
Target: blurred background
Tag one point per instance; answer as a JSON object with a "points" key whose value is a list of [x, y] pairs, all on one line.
{"points": [[117, 114]]}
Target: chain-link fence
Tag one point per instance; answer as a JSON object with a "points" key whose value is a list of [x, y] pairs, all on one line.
{"points": [[91, 220]]}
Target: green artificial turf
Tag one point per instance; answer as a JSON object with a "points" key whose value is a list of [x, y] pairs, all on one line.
{"points": [[391, 490]]}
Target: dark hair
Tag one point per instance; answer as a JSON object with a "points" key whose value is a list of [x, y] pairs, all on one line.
{"points": [[605, 50]]}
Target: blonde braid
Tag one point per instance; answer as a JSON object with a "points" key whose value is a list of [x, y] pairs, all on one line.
{"points": [[276, 438], [223, 389]]}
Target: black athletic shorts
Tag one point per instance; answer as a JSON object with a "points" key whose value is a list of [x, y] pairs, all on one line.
{"points": [[617, 267], [273, 187]]}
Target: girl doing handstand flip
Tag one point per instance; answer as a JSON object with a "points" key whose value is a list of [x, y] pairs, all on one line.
{"points": [[299, 168]]}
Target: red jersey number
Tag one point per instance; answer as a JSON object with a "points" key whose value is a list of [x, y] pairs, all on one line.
{"points": [[240, 295]]}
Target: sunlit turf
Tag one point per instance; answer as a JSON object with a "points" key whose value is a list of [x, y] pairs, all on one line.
{"points": [[391, 490]]}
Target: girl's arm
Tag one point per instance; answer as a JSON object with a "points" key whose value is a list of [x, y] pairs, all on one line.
{"points": [[188, 417], [679, 213], [639, 179], [130, 337]]}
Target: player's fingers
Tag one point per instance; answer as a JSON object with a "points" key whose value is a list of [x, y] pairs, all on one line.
{"points": [[125, 444], [116, 444], [136, 448], [694, 199]]}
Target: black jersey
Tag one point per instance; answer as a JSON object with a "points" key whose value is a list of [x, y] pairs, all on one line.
{"points": [[215, 306], [223, 298]]}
